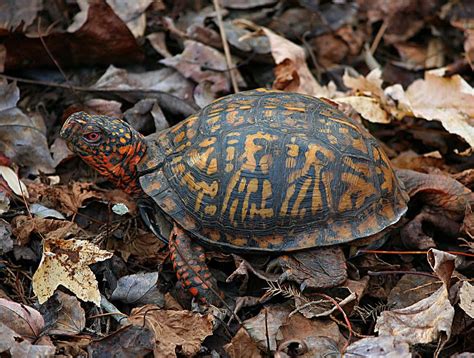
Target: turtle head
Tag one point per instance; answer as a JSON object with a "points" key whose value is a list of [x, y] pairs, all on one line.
{"points": [[109, 145]]}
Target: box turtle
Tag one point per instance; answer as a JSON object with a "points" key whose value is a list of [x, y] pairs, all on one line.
{"points": [[256, 171]]}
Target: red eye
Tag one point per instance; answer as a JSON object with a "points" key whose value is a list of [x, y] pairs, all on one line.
{"points": [[92, 137]]}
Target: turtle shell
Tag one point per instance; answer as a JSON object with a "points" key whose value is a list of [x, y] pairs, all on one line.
{"points": [[272, 171]]}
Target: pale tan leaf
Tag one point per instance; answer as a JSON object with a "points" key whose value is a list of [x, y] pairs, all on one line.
{"points": [[466, 296], [447, 99], [292, 72], [242, 346], [370, 84], [13, 182], [422, 322], [367, 107], [387, 347], [174, 329], [66, 263]]}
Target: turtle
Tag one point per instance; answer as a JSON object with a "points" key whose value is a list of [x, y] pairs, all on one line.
{"points": [[259, 171]]}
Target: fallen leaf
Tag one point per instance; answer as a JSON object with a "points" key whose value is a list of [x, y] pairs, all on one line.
{"points": [[368, 107], [385, 346], [264, 327], [63, 315], [132, 13], [449, 100], [422, 322], [317, 268], [242, 346], [165, 80], [23, 226], [129, 341], [203, 63], [6, 242], [66, 262], [22, 137], [18, 347], [139, 289], [158, 42], [246, 4], [96, 27], [292, 72], [173, 329], [428, 319], [310, 332], [13, 182], [23, 320], [411, 289], [42, 211], [466, 298], [18, 15]]}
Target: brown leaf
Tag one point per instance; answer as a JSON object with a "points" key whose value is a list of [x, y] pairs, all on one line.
{"points": [[132, 13], [270, 319], [24, 226], [97, 28], [139, 289], [203, 63], [317, 268], [23, 320], [66, 262], [411, 289], [310, 332], [64, 315], [173, 328], [165, 80], [129, 341], [292, 72], [22, 137], [443, 264], [242, 346], [18, 347]]}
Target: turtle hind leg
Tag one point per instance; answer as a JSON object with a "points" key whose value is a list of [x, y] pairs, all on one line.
{"points": [[189, 263]]}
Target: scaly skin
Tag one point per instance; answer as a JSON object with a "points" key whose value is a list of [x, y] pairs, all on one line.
{"points": [[114, 149]]}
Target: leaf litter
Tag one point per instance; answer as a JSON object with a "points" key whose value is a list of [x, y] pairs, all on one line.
{"points": [[402, 69]]}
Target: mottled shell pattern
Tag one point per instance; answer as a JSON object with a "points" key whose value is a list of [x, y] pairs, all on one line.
{"points": [[272, 171]]}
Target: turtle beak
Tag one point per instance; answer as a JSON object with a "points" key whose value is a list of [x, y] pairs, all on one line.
{"points": [[71, 127]]}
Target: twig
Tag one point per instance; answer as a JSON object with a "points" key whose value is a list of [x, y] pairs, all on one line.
{"points": [[378, 37], [381, 273], [116, 314], [228, 58], [56, 63]]}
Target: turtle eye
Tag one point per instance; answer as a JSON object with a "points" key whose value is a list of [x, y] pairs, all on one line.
{"points": [[92, 137]]}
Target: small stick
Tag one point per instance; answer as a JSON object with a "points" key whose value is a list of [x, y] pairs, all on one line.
{"points": [[228, 58], [378, 37]]}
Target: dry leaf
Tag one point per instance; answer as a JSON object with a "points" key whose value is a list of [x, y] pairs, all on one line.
{"points": [[23, 226], [203, 63], [18, 347], [426, 320], [13, 182], [422, 322], [466, 297], [66, 262], [270, 319], [387, 347], [368, 107], [64, 315], [242, 346], [173, 328], [22, 319], [139, 289], [22, 137], [132, 13], [292, 72], [449, 100]]}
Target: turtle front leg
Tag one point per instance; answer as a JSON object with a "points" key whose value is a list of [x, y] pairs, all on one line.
{"points": [[189, 262]]}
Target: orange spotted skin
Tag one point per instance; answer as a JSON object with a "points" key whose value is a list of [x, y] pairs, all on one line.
{"points": [[116, 152], [257, 171], [189, 263]]}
